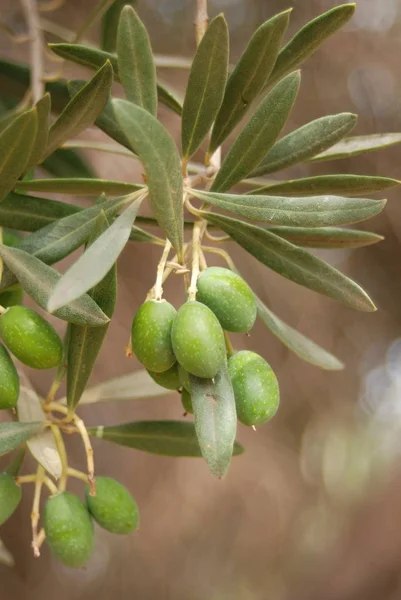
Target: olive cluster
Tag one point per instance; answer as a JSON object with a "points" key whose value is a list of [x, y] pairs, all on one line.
{"points": [[68, 522], [173, 344]]}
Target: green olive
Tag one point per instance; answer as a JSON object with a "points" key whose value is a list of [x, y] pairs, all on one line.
{"points": [[255, 387], [187, 401], [151, 335], [31, 338], [10, 496], [113, 507], [10, 238], [184, 378], [9, 380], [69, 529], [168, 379], [198, 340], [229, 297]]}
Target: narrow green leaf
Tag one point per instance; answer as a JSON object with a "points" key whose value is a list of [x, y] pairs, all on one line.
{"points": [[215, 419], [294, 263], [93, 58], [295, 341], [82, 110], [312, 211], [158, 153], [67, 163], [85, 342], [95, 263], [28, 213], [16, 143], [79, 186], [42, 446], [169, 97], [329, 238], [57, 240], [40, 143], [14, 434], [347, 185], [309, 38], [249, 76], [305, 142], [135, 61], [134, 386], [259, 134], [165, 438], [39, 280], [361, 144], [110, 20], [206, 85]]}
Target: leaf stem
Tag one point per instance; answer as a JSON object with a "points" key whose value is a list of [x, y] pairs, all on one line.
{"points": [[35, 34], [158, 287], [63, 456]]}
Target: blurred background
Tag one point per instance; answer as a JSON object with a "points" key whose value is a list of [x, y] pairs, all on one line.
{"points": [[313, 509]]}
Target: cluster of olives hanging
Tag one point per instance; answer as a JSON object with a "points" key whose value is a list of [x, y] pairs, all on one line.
{"points": [[68, 522], [173, 344]]}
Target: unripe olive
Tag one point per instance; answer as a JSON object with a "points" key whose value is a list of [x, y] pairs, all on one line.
{"points": [[255, 387], [198, 340], [69, 529], [184, 378], [9, 380], [187, 401], [113, 507], [168, 379], [11, 297], [10, 239], [151, 335], [10, 496], [229, 297], [30, 338]]}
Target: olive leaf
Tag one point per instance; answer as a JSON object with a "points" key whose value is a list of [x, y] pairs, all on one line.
{"points": [[158, 153], [311, 211], [259, 134], [29, 213], [249, 76], [305, 142], [67, 163], [136, 68], [293, 262], [42, 446], [327, 237], [16, 143], [14, 434], [361, 144], [295, 341], [42, 132], [84, 343], [134, 386], [82, 110], [78, 185], [93, 58], [347, 185], [165, 438], [206, 85], [110, 21], [95, 263], [215, 419], [309, 38], [39, 280]]}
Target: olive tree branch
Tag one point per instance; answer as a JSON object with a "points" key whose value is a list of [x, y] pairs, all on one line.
{"points": [[35, 35]]}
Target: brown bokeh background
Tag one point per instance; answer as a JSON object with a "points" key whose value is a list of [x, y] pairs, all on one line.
{"points": [[313, 509]]}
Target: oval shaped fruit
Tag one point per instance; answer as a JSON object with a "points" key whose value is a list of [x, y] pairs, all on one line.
{"points": [[9, 380], [187, 401], [151, 335], [11, 297], [229, 297], [10, 496], [69, 529], [31, 338], [184, 378], [168, 379], [198, 340], [255, 387], [113, 507]]}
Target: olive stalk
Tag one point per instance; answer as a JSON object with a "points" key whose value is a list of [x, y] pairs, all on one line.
{"points": [[63, 457], [158, 287], [196, 241], [78, 474], [35, 514], [36, 38], [89, 453]]}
